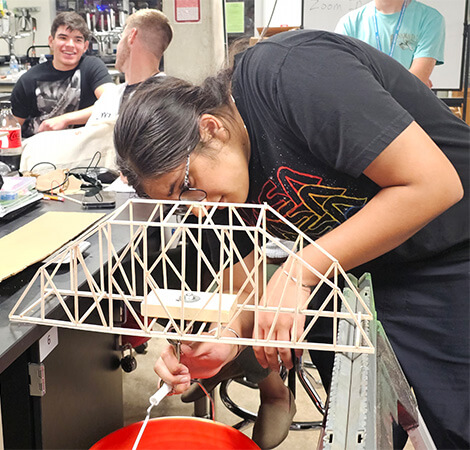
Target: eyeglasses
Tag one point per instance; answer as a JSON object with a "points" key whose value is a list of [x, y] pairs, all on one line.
{"points": [[189, 194]]}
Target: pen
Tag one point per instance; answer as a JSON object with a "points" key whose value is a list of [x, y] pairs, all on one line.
{"points": [[64, 197], [52, 197]]}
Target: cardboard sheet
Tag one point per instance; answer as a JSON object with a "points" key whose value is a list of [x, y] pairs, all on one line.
{"points": [[40, 238]]}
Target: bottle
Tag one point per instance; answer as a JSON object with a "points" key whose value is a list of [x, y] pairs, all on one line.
{"points": [[14, 68], [10, 137]]}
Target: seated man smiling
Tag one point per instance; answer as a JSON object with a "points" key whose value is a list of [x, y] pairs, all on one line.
{"points": [[59, 93]]}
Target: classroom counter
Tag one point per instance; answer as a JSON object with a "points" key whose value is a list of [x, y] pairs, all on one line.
{"points": [[83, 380]]}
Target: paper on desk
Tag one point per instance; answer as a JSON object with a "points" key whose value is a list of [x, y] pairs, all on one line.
{"points": [[118, 185], [40, 238]]}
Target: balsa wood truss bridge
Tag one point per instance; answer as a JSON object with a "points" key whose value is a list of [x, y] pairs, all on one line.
{"points": [[154, 289]]}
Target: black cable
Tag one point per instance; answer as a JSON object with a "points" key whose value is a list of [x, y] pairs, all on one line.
{"points": [[265, 29], [97, 162], [94, 181], [42, 162]]}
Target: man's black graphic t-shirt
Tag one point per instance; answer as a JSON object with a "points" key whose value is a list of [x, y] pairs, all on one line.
{"points": [[319, 108], [44, 92]]}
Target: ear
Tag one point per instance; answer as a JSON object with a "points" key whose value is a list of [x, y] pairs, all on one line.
{"points": [[87, 43], [49, 40], [211, 127], [132, 36]]}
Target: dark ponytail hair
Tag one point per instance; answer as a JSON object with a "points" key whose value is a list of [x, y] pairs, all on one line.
{"points": [[159, 124]]}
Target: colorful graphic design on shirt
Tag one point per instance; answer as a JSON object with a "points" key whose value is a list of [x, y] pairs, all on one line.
{"points": [[55, 98], [307, 203]]}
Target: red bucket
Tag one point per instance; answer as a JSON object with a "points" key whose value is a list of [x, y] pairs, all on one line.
{"points": [[176, 433]]}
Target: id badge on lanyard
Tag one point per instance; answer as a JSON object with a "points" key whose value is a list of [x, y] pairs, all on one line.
{"points": [[397, 29]]}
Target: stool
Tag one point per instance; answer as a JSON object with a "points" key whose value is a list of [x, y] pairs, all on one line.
{"points": [[297, 372]]}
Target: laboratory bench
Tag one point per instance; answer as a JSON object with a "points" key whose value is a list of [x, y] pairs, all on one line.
{"points": [[67, 398]]}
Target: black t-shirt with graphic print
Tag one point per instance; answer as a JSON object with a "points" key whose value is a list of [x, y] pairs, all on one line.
{"points": [[44, 92], [319, 108]]}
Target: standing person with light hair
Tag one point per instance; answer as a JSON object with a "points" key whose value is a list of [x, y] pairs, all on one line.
{"points": [[146, 36], [407, 30]]}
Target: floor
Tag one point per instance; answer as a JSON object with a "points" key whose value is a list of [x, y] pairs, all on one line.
{"points": [[140, 384]]}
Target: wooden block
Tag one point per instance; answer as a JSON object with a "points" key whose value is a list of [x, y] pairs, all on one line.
{"points": [[193, 304]]}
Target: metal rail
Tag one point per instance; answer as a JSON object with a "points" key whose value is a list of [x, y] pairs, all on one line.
{"points": [[367, 391]]}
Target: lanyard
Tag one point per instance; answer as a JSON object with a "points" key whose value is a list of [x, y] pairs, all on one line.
{"points": [[395, 35]]}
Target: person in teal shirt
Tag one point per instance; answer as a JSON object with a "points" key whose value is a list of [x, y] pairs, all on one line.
{"points": [[407, 30]]}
